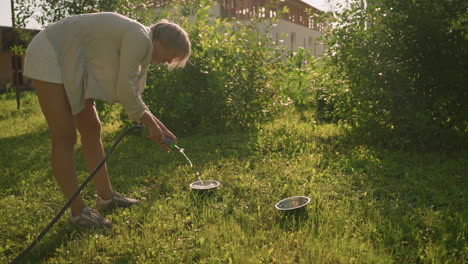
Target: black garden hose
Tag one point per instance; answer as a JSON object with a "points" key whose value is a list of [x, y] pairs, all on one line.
{"points": [[78, 191]]}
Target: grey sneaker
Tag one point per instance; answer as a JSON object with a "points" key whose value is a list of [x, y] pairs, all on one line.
{"points": [[88, 218], [117, 200]]}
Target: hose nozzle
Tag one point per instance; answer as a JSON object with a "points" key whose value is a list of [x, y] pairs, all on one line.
{"points": [[170, 144]]}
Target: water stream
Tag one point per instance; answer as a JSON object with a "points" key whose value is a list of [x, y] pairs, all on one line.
{"points": [[181, 150]]}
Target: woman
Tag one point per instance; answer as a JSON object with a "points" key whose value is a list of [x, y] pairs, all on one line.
{"points": [[97, 56]]}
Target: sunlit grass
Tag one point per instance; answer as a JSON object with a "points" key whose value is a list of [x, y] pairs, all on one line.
{"points": [[368, 205]]}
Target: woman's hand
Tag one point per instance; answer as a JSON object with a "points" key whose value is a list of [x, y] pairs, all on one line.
{"points": [[157, 131]]}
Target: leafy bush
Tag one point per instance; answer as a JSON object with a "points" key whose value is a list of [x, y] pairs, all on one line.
{"points": [[227, 83], [296, 78], [229, 80], [403, 66]]}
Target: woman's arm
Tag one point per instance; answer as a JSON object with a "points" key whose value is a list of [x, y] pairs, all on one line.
{"points": [[157, 131], [134, 48]]}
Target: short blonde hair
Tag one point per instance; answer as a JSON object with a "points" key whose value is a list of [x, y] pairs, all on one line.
{"points": [[171, 35]]}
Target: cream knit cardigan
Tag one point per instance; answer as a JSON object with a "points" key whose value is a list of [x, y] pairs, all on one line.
{"points": [[103, 56]]}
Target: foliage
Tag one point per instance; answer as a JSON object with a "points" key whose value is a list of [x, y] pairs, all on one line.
{"points": [[45, 12], [17, 50], [298, 78], [50, 11], [229, 81], [368, 205], [295, 78], [403, 70], [227, 84]]}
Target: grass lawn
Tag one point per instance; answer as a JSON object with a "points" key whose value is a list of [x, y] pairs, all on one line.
{"points": [[368, 204]]}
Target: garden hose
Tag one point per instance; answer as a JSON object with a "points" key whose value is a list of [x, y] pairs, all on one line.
{"points": [[78, 191]]}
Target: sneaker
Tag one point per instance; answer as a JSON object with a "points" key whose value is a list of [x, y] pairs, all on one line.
{"points": [[117, 200], [88, 218]]}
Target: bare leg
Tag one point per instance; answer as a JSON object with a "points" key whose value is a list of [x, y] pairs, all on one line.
{"points": [[89, 126], [56, 109]]}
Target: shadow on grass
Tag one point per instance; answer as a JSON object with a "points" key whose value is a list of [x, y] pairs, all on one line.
{"points": [[137, 160], [292, 220], [20, 156], [61, 235], [415, 199]]}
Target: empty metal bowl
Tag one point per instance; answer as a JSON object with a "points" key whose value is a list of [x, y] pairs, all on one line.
{"points": [[204, 185], [292, 203]]}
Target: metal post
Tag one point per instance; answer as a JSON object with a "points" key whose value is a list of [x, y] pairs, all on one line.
{"points": [[12, 13], [14, 57]]}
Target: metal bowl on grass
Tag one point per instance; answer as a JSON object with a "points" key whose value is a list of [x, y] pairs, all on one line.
{"points": [[292, 203], [204, 185]]}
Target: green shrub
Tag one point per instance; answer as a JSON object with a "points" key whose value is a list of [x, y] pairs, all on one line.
{"points": [[229, 81], [296, 78], [235, 78], [403, 66]]}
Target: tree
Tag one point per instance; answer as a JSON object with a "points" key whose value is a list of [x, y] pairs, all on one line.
{"points": [[404, 64]]}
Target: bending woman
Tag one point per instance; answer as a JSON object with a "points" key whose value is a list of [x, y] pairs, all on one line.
{"points": [[101, 56]]}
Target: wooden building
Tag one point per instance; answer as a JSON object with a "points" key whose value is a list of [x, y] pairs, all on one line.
{"points": [[8, 62], [301, 24]]}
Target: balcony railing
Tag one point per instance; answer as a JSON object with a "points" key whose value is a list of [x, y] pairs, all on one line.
{"points": [[246, 9]]}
